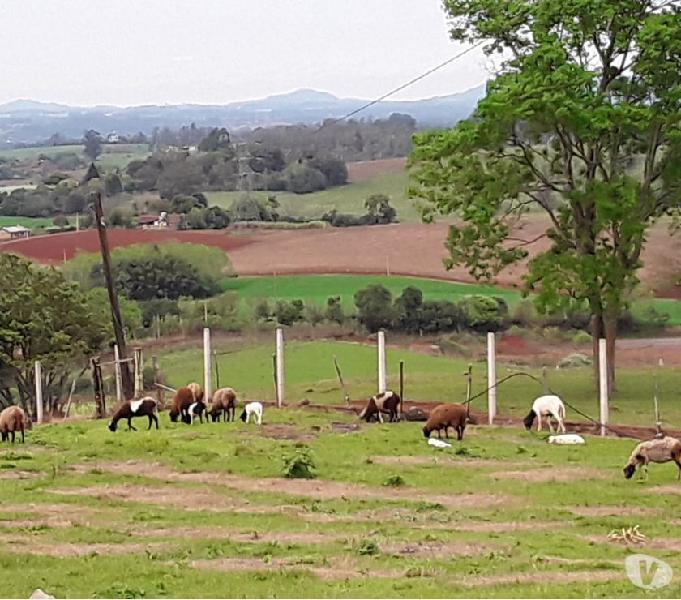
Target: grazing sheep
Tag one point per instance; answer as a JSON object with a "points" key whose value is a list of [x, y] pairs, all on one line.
{"points": [[252, 408], [546, 406], [224, 403], [386, 402], [182, 400], [659, 450], [145, 407], [13, 419], [196, 409], [445, 416], [197, 391]]}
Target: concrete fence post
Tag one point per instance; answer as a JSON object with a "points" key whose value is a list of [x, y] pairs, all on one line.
{"points": [[117, 370], [382, 383], [491, 377], [139, 373], [38, 391], [279, 365], [207, 366], [603, 384]]}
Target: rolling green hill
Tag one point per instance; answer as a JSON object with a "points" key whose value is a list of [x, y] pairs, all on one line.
{"points": [[346, 199]]}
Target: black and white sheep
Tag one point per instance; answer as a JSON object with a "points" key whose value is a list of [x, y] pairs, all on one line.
{"points": [[13, 419], [659, 450], [252, 409], [145, 407], [384, 403]]}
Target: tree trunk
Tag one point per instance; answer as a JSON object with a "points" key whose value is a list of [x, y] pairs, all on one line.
{"points": [[610, 338]]}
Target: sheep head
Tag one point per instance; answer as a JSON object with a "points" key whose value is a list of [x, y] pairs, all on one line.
{"points": [[113, 426], [629, 471], [529, 419]]}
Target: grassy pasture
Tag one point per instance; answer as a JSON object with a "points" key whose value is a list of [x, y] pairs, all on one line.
{"points": [[310, 374], [203, 511], [318, 288], [30, 222], [346, 199], [113, 155]]}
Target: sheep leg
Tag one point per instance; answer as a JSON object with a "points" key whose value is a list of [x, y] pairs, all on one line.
{"points": [[12, 435], [155, 420], [23, 440], [150, 422], [130, 426], [539, 422], [561, 425], [678, 464]]}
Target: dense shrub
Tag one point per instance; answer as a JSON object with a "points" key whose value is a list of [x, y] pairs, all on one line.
{"points": [[483, 313], [334, 310], [374, 307], [304, 179], [287, 313]]}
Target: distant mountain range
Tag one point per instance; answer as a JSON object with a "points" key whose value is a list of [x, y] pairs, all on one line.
{"points": [[28, 121]]}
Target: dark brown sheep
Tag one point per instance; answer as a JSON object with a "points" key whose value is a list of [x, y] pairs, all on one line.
{"points": [[13, 419], [182, 400], [445, 416], [146, 407], [386, 402], [224, 404]]}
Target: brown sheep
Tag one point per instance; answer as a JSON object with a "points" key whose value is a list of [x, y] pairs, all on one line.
{"points": [[224, 403], [386, 402], [197, 391], [13, 419], [182, 400], [658, 450], [445, 416], [145, 407]]}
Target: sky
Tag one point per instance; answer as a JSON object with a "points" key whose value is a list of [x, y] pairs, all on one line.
{"points": [[132, 52]]}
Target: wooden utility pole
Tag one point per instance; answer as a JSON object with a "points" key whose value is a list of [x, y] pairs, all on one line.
{"points": [[128, 386]]}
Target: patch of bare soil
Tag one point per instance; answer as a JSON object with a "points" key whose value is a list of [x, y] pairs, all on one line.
{"points": [[285, 432], [51, 513], [437, 549], [600, 576], [658, 544], [337, 569], [18, 544], [318, 489], [666, 489], [443, 460], [12, 474], [281, 537], [611, 511], [190, 499], [551, 475], [507, 526]]}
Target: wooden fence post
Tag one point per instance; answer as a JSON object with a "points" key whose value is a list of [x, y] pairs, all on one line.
{"points": [[401, 387], [139, 373], [98, 385]]}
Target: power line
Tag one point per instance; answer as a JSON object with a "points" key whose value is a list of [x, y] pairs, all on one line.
{"points": [[401, 87]]}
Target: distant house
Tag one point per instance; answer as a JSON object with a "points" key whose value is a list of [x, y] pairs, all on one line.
{"points": [[113, 138], [16, 231], [162, 221]]}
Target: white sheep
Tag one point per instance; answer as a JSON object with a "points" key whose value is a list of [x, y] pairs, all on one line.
{"points": [[252, 408], [546, 406]]}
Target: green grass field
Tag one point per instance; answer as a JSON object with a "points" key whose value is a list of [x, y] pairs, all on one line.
{"points": [[317, 288], [30, 222], [310, 374], [346, 199], [204, 511], [113, 155]]}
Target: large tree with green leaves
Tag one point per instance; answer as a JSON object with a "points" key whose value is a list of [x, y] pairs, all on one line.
{"points": [[581, 123], [42, 317]]}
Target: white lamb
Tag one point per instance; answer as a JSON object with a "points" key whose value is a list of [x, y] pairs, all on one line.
{"points": [[546, 406], [252, 408]]}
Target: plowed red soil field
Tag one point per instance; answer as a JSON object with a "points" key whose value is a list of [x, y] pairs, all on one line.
{"points": [[402, 249], [60, 246]]}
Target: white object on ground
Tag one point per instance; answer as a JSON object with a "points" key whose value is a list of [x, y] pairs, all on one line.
{"points": [[569, 438], [438, 443], [39, 594]]}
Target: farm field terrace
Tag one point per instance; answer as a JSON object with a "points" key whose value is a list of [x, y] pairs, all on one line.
{"points": [[204, 511], [310, 374]]}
